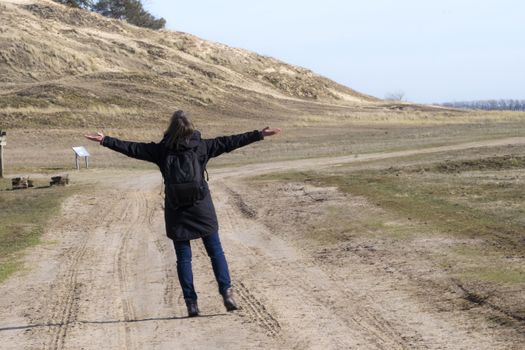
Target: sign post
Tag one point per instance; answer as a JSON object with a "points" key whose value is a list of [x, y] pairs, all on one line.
{"points": [[81, 152], [3, 142]]}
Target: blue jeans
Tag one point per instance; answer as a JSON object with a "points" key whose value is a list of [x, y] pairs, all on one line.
{"points": [[212, 243]]}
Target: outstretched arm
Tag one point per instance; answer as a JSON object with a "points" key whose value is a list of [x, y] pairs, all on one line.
{"points": [[222, 144], [139, 150]]}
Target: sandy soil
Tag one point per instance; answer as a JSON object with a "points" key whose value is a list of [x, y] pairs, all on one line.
{"points": [[105, 278]]}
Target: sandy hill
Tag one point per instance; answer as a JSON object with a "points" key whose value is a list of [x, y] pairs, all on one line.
{"points": [[62, 67]]}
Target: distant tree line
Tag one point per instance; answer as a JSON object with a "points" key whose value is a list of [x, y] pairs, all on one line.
{"points": [[131, 11], [489, 105]]}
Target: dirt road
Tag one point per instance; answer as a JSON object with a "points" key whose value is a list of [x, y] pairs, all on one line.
{"points": [[105, 278]]}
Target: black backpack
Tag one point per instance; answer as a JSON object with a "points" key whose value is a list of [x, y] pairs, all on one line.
{"points": [[184, 177]]}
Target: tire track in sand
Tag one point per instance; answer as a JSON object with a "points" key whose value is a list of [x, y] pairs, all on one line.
{"points": [[294, 276], [65, 312], [65, 309], [126, 307], [135, 215], [165, 248], [255, 311], [251, 308], [140, 213]]}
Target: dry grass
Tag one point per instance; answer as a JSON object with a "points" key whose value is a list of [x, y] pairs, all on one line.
{"points": [[33, 149], [72, 65], [411, 115]]}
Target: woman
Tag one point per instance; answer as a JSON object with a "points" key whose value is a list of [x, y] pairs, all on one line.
{"points": [[189, 212]]}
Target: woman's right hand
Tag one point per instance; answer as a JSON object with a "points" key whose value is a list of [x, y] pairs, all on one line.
{"points": [[270, 131], [98, 137]]}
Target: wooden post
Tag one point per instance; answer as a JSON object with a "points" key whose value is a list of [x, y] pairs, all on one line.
{"points": [[1, 161], [77, 162], [3, 142]]}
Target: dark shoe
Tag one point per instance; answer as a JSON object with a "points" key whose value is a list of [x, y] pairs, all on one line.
{"points": [[193, 308], [229, 302]]}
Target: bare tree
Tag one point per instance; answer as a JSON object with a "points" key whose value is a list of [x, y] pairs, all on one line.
{"points": [[395, 96]]}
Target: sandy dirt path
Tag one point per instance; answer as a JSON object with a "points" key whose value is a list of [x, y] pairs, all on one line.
{"points": [[105, 278]]}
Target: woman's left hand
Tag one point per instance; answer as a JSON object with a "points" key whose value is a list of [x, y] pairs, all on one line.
{"points": [[95, 137]]}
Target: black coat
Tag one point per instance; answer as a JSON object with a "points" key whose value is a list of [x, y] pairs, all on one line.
{"points": [[200, 219]]}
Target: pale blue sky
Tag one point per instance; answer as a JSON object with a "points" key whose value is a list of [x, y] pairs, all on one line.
{"points": [[434, 50]]}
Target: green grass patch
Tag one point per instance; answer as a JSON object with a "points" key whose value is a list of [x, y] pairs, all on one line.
{"points": [[494, 274], [484, 200], [478, 205], [497, 275], [289, 176], [7, 268], [504, 162], [23, 217], [428, 199]]}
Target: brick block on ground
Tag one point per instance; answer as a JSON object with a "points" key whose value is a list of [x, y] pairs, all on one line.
{"points": [[22, 182], [61, 180]]}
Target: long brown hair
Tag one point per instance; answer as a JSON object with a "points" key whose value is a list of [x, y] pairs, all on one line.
{"points": [[179, 130]]}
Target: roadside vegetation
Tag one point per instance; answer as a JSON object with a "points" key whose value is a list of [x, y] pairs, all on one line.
{"points": [[24, 215], [464, 212], [132, 11], [469, 198]]}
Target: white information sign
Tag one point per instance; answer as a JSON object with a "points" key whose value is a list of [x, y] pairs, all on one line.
{"points": [[81, 151]]}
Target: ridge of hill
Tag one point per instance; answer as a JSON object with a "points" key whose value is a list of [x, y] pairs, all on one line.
{"points": [[64, 67]]}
